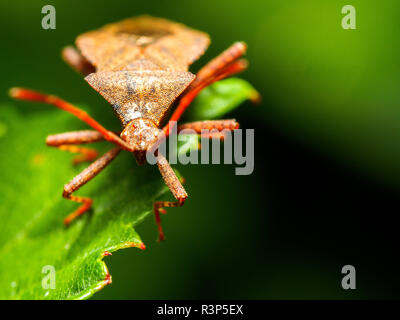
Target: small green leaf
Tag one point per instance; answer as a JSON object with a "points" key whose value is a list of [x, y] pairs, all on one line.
{"points": [[220, 98], [32, 234]]}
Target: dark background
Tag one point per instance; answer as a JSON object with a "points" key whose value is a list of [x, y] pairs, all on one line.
{"points": [[324, 192]]}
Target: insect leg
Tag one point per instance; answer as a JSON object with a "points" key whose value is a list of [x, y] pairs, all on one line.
{"points": [[226, 124], [30, 95], [67, 142], [176, 188], [216, 125], [219, 63], [86, 154], [85, 176], [79, 63], [224, 65], [74, 137]]}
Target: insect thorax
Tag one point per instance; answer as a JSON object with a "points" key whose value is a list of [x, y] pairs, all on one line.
{"points": [[140, 94]]}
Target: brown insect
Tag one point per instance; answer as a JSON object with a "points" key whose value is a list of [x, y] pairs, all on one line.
{"points": [[140, 66]]}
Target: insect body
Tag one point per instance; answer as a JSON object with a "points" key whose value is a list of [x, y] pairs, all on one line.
{"points": [[140, 66]]}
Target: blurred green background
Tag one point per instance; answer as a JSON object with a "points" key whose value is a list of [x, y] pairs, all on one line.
{"points": [[324, 192]]}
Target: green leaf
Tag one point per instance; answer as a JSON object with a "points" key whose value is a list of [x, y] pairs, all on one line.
{"points": [[32, 235], [220, 98]]}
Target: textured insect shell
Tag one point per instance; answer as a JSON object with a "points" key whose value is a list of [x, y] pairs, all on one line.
{"points": [[142, 64], [165, 44], [140, 94]]}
